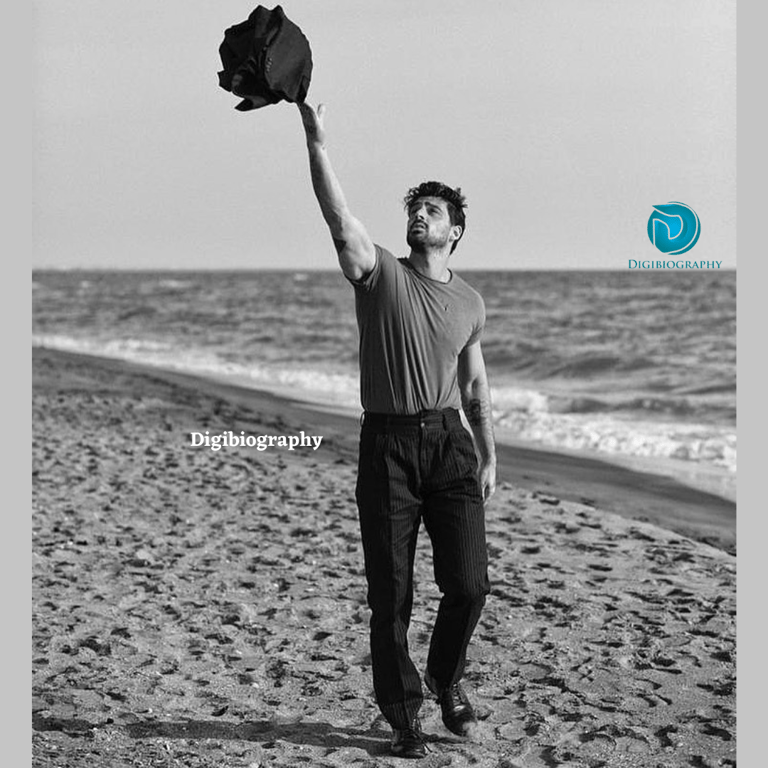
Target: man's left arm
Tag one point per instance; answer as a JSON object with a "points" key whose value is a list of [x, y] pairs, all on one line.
{"points": [[476, 401]]}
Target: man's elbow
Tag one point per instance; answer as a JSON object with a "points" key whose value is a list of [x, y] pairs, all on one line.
{"points": [[473, 387], [466, 393]]}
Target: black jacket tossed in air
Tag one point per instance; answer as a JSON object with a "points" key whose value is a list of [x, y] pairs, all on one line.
{"points": [[266, 59]]}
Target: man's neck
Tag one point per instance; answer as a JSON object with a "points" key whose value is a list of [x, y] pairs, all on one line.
{"points": [[433, 265]]}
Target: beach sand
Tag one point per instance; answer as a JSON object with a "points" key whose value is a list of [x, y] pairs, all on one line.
{"points": [[207, 608]]}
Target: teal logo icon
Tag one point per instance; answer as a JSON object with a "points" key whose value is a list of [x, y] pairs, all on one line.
{"points": [[674, 227]]}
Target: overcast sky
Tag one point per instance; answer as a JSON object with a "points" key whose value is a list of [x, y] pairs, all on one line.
{"points": [[564, 122]]}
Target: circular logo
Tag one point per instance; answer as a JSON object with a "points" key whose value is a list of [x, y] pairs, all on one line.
{"points": [[674, 227]]}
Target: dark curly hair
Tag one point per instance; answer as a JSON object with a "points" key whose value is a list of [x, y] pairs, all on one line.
{"points": [[455, 201]]}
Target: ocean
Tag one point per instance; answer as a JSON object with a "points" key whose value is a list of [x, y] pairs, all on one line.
{"points": [[621, 364]]}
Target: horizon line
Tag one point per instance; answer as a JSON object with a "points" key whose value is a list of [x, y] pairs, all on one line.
{"points": [[288, 270]]}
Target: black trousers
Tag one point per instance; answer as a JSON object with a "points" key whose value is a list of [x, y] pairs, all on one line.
{"points": [[413, 468]]}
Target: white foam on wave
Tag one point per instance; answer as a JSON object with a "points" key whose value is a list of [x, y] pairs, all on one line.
{"points": [[531, 416], [517, 399], [304, 383], [604, 434], [129, 348]]}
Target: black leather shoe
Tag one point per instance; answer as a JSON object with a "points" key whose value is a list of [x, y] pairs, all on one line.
{"points": [[409, 742], [458, 715]]}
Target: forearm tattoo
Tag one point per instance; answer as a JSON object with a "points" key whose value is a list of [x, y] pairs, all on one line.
{"points": [[476, 410]]}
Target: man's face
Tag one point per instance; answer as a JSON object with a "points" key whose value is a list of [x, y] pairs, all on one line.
{"points": [[429, 225]]}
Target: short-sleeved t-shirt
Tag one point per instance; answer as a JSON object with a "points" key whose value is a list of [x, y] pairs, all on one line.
{"points": [[412, 330]]}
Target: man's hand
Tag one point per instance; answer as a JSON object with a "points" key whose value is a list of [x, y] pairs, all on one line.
{"points": [[487, 478], [313, 122]]}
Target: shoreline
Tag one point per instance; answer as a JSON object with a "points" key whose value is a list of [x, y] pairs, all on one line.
{"points": [[339, 392], [622, 488]]}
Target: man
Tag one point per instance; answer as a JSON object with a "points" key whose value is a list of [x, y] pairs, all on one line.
{"points": [[420, 361]]}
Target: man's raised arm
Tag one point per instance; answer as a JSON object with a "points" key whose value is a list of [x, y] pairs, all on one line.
{"points": [[357, 254]]}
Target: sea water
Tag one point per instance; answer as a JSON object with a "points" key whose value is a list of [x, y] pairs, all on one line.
{"points": [[622, 364]]}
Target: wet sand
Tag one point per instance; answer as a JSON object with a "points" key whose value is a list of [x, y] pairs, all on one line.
{"points": [[200, 608]]}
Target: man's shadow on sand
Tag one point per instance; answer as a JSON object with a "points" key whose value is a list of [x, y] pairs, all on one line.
{"points": [[374, 740]]}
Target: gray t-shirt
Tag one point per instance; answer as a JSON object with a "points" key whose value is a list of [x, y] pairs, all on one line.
{"points": [[412, 329]]}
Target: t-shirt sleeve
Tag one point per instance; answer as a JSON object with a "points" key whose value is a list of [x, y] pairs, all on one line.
{"points": [[477, 330], [368, 283]]}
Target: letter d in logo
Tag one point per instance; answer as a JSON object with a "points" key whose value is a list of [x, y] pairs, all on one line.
{"points": [[674, 228]]}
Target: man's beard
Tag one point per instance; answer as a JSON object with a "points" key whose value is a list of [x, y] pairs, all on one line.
{"points": [[422, 241]]}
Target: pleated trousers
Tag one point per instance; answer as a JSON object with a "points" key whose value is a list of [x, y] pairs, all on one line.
{"points": [[414, 468]]}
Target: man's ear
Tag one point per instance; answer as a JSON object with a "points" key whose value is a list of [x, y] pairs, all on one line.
{"points": [[456, 231]]}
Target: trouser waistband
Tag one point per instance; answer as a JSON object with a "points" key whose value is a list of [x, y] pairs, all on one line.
{"points": [[445, 417]]}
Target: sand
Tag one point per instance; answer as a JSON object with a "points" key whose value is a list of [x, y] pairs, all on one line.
{"points": [[198, 608]]}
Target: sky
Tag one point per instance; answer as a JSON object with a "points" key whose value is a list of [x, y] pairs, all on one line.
{"points": [[563, 121]]}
